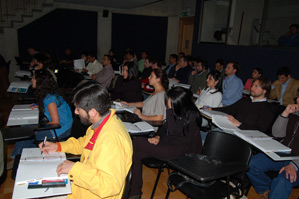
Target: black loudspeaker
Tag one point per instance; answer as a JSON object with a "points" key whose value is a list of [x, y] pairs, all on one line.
{"points": [[105, 13]]}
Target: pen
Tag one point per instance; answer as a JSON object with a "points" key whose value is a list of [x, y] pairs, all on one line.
{"points": [[44, 143]]}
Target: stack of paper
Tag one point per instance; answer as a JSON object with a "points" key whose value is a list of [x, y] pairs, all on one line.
{"points": [[43, 169]]}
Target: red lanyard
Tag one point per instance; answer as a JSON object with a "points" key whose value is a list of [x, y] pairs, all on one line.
{"points": [[93, 139]]}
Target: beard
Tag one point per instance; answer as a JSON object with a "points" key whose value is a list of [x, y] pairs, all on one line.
{"points": [[253, 94], [85, 120]]}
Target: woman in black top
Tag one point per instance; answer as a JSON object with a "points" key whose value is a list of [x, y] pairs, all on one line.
{"points": [[178, 136], [128, 86]]}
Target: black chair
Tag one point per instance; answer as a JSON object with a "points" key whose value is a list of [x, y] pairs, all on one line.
{"points": [[156, 164], [128, 185], [219, 148]]}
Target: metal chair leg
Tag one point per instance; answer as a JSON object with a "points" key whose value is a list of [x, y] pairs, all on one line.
{"points": [[156, 182]]}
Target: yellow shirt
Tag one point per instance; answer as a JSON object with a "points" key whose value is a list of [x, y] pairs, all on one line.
{"points": [[101, 172]]}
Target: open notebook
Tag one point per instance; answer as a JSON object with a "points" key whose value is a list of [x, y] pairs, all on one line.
{"points": [[138, 127], [23, 115], [119, 107], [36, 168], [262, 141]]}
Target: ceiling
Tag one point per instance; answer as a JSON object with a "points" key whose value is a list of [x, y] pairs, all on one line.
{"points": [[121, 4]]}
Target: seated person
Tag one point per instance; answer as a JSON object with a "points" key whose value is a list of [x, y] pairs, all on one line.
{"points": [[94, 66], [211, 95], [197, 79], [153, 108], [291, 38], [232, 86], [43, 61], [285, 88], [178, 136], [106, 149], [128, 86], [155, 63], [285, 126], [219, 66], [183, 71], [254, 112], [106, 75], [170, 69], [256, 73], [147, 69], [53, 106]]}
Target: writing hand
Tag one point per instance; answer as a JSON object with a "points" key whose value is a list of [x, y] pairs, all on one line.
{"points": [[290, 171], [65, 167], [49, 147], [33, 106], [155, 140], [207, 108], [124, 104], [233, 120]]}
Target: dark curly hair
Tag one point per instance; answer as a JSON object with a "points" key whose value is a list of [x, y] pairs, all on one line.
{"points": [[45, 84]]}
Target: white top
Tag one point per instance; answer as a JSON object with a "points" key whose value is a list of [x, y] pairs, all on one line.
{"points": [[208, 98], [94, 67]]}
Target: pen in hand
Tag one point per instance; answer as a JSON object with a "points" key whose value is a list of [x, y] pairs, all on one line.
{"points": [[44, 143]]}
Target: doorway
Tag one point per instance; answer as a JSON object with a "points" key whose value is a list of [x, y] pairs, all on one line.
{"points": [[186, 35]]}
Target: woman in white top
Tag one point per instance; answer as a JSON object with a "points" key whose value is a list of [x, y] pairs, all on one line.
{"points": [[153, 108], [211, 95]]}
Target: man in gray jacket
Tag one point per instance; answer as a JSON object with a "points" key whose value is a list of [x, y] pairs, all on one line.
{"points": [[286, 126]]}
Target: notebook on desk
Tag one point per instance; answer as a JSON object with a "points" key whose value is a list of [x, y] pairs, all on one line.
{"points": [[34, 173], [19, 87], [23, 115], [138, 127], [262, 141]]}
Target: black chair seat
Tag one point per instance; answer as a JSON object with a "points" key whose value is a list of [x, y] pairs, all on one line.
{"points": [[154, 163], [215, 191]]}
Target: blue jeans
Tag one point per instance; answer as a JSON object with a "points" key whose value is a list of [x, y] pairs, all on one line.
{"points": [[280, 187], [39, 136]]}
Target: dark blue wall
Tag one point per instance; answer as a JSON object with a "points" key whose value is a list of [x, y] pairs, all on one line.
{"points": [[140, 33], [59, 29], [269, 59]]}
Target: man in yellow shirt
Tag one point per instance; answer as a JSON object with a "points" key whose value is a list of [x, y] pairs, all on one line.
{"points": [[106, 149]]}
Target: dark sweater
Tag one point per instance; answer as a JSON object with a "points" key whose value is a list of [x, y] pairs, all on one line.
{"points": [[190, 142], [128, 91], [183, 74], [252, 115]]}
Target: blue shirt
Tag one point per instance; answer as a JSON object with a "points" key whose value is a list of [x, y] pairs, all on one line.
{"points": [[283, 89], [170, 66], [64, 112], [232, 88]]}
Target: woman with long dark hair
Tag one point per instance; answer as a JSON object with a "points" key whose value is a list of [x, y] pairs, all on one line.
{"points": [[178, 136], [128, 86], [211, 95], [52, 105], [153, 108]]}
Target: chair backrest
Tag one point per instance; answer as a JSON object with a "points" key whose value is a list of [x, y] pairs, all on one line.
{"points": [[226, 147], [128, 185]]}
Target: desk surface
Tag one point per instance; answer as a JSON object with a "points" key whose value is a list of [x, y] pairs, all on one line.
{"points": [[204, 171], [18, 133]]}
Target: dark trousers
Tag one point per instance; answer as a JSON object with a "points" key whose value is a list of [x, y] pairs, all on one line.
{"points": [[143, 149]]}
